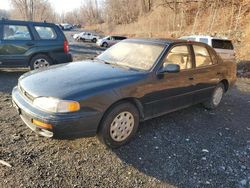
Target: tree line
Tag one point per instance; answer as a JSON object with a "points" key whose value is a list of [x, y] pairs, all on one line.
{"points": [[177, 14]]}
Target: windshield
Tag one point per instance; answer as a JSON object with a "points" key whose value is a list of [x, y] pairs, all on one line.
{"points": [[133, 55]]}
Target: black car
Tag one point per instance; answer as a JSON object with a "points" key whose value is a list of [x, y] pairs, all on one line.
{"points": [[135, 80], [32, 44]]}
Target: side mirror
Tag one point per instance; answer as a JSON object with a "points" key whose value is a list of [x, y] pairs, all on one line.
{"points": [[171, 68]]}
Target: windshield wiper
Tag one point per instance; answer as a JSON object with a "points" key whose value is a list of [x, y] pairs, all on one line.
{"points": [[103, 61], [117, 64]]}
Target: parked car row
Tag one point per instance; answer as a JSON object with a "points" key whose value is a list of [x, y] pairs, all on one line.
{"points": [[222, 46], [134, 80], [100, 41]]}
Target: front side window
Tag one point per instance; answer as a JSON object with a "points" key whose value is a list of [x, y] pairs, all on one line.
{"points": [[179, 55], [202, 57], [16, 32], [46, 32], [134, 55]]}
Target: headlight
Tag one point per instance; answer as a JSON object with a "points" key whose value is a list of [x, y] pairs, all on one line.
{"points": [[56, 105]]}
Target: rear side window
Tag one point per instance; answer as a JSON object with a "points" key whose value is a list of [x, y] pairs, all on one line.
{"points": [[204, 40], [46, 32], [202, 57], [222, 44], [16, 32]]}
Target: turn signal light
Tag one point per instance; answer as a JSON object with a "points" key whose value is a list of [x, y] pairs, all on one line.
{"points": [[73, 106], [42, 124]]}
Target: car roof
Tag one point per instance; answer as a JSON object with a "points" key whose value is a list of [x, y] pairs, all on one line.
{"points": [[163, 42], [205, 36], [24, 22]]}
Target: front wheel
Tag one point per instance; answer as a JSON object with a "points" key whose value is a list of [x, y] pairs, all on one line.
{"points": [[94, 40], [216, 97], [105, 45], [119, 125]]}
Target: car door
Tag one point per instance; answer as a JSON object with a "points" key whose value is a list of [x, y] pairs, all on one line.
{"points": [[88, 36], [206, 73], [173, 90], [16, 41]]}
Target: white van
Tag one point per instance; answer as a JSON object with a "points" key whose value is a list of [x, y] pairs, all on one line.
{"points": [[222, 46]]}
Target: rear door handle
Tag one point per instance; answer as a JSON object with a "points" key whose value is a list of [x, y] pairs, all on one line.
{"points": [[191, 78], [218, 73]]}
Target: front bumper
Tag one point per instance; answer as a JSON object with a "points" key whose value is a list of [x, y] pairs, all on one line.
{"points": [[99, 43], [63, 125]]}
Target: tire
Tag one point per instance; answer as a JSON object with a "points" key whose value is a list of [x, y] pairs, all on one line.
{"points": [[105, 45], [82, 39], [115, 132], [40, 61], [216, 97], [94, 40]]}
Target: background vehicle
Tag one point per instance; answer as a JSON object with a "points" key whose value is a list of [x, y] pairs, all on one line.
{"points": [[223, 47], [109, 41], [32, 44], [135, 80], [86, 36], [66, 26]]}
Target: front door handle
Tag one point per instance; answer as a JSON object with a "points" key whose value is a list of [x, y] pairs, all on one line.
{"points": [[191, 78]]}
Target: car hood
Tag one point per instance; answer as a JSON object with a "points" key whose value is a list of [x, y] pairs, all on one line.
{"points": [[66, 81]]}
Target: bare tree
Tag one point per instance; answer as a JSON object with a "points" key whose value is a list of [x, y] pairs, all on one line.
{"points": [[37, 10], [4, 14]]}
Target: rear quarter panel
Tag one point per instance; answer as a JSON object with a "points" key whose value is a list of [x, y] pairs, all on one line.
{"points": [[231, 72]]}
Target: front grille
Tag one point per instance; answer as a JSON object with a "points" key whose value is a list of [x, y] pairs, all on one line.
{"points": [[25, 93]]}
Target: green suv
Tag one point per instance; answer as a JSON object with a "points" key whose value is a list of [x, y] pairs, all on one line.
{"points": [[32, 44]]}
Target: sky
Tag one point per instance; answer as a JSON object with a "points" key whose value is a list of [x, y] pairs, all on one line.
{"points": [[60, 6]]}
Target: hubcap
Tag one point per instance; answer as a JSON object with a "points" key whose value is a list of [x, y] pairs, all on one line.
{"points": [[122, 126], [40, 63], [218, 93]]}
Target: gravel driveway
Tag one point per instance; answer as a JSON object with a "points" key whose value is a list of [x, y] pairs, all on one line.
{"points": [[189, 148]]}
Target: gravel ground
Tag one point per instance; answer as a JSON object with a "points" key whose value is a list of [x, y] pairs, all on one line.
{"points": [[189, 148]]}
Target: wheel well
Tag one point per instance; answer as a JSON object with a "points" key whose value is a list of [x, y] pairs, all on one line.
{"points": [[131, 100], [225, 83], [41, 53]]}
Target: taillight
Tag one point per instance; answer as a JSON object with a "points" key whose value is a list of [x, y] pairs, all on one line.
{"points": [[66, 46]]}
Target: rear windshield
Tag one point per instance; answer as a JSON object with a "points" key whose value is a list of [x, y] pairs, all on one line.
{"points": [[222, 44]]}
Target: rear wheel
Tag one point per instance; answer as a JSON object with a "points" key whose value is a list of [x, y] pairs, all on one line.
{"points": [[119, 125], [216, 97], [105, 45], [40, 61], [94, 40]]}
